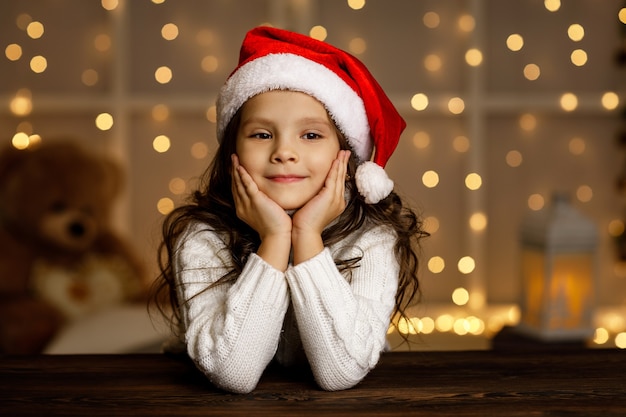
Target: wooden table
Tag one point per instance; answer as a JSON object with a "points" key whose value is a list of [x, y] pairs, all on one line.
{"points": [[513, 383]]}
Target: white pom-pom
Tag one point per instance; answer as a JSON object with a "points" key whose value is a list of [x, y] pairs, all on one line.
{"points": [[372, 182]]}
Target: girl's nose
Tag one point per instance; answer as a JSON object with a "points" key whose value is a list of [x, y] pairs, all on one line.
{"points": [[284, 151]]}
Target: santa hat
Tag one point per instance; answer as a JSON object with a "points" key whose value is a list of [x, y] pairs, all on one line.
{"points": [[275, 59]]}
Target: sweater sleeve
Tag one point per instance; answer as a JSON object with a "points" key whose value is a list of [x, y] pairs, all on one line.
{"points": [[343, 321], [231, 330]]}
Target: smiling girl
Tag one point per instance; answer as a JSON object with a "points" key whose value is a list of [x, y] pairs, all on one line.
{"points": [[295, 247]]}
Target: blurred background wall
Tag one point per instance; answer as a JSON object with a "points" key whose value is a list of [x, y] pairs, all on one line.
{"points": [[507, 102]]}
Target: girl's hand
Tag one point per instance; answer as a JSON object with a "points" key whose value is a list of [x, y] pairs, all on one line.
{"points": [[314, 216], [264, 215]]}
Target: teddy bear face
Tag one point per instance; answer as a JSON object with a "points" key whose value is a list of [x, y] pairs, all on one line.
{"points": [[58, 196]]}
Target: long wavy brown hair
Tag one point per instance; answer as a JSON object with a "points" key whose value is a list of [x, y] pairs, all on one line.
{"points": [[212, 204]]}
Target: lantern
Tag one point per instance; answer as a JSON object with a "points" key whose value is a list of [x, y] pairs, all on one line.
{"points": [[558, 273]]}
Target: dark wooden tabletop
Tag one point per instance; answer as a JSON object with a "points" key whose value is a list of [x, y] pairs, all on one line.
{"points": [[486, 383]]}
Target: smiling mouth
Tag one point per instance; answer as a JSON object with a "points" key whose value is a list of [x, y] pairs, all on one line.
{"points": [[285, 178]]}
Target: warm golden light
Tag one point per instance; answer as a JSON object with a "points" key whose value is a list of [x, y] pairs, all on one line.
{"points": [[13, 52], [552, 5], [35, 30], [318, 32], [211, 114], [461, 144], [578, 57], [165, 205], [466, 265], [536, 202], [473, 181], [467, 23], [209, 64], [431, 224], [357, 46], [444, 323], [177, 186], [616, 228], [169, 31], [610, 100], [163, 75], [478, 222], [456, 105], [102, 42], [160, 112], [421, 140], [104, 121], [576, 32], [419, 101], [600, 336], [23, 20], [20, 140], [431, 20], [584, 193], [515, 42], [356, 4], [430, 179], [199, 150], [432, 62], [528, 122], [89, 77], [474, 57], [161, 143], [514, 158], [109, 4], [620, 340], [21, 104], [576, 146], [532, 72], [569, 102], [436, 264], [622, 15], [460, 296], [38, 64]]}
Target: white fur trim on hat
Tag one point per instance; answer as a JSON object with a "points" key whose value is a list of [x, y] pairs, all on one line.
{"points": [[372, 182], [285, 71]]}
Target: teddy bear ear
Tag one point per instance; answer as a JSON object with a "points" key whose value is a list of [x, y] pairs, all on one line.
{"points": [[114, 178], [10, 159]]}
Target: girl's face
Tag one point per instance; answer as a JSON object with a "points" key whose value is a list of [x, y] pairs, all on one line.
{"points": [[287, 143]]}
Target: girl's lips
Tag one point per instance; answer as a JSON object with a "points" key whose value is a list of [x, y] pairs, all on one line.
{"points": [[285, 178]]}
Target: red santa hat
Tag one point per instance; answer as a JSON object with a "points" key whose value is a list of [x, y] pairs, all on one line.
{"points": [[275, 59]]}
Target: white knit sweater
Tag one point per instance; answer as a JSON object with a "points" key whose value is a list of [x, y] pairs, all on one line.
{"points": [[232, 331]]}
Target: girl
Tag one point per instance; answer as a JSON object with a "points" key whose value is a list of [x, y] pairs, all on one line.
{"points": [[295, 247]]}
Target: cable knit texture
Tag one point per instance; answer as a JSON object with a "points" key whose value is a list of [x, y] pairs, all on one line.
{"points": [[233, 331]]}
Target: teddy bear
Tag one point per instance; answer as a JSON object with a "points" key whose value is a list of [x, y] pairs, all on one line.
{"points": [[60, 257]]}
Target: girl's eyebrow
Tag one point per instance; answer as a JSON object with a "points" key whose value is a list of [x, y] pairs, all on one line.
{"points": [[303, 121]]}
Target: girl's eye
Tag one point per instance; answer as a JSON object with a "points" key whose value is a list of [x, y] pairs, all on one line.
{"points": [[261, 135], [311, 136]]}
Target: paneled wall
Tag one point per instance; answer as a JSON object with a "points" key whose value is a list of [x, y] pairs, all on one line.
{"points": [[483, 115]]}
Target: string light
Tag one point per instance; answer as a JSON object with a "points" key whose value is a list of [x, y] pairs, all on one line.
{"points": [[165, 205], [13, 52], [430, 179], [419, 101], [356, 4], [104, 121], [431, 20], [431, 224], [456, 105], [161, 143], [421, 140], [318, 32], [536, 202], [478, 222], [436, 264], [357, 46], [461, 144]]}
